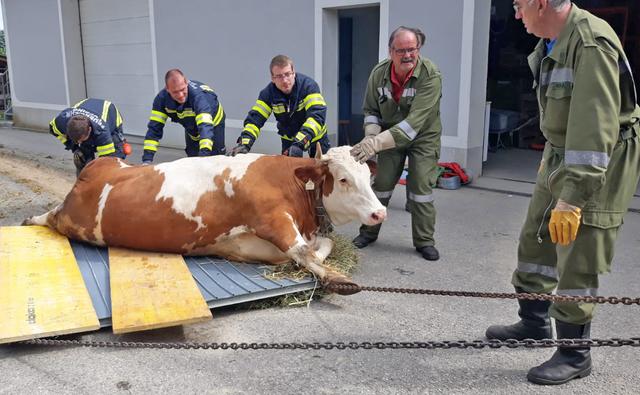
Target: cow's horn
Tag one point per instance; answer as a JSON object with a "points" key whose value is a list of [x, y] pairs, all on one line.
{"points": [[318, 151]]}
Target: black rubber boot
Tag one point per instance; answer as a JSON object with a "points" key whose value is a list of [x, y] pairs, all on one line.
{"points": [[534, 322], [363, 240], [567, 363]]}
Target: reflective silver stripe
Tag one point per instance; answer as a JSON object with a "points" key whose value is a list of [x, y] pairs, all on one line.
{"points": [[421, 198], [547, 271], [408, 130], [409, 92], [592, 158], [558, 75], [384, 91], [372, 119], [383, 194], [578, 292]]}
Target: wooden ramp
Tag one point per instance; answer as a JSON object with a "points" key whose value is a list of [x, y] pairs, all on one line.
{"points": [[42, 292], [151, 290]]}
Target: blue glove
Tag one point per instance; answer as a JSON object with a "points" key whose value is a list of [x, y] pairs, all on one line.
{"points": [[295, 151]]}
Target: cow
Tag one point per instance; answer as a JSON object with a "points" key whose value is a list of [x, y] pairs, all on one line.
{"points": [[247, 208]]}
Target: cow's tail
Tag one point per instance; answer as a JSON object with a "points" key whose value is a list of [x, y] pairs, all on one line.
{"points": [[46, 219]]}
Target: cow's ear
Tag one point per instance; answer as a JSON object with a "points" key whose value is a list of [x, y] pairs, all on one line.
{"points": [[318, 151], [306, 173]]}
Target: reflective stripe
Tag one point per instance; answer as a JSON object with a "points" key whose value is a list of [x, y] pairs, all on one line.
{"points": [[118, 118], [263, 108], [313, 99], [286, 138], [300, 137], [245, 141], [204, 117], [194, 138], [185, 114], [313, 125], [169, 111], [219, 114], [105, 110], [206, 143], [105, 149], [421, 198], [383, 194], [409, 92], [372, 119], [384, 91], [407, 129], [150, 145], [318, 137], [59, 135], [558, 75], [589, 158], [547, 271], [578, 292], [78, 104], [158, 116], [253, 129], [278, 108]]}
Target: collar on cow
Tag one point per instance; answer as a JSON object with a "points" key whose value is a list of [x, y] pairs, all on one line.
{"points": [[324, 222]]}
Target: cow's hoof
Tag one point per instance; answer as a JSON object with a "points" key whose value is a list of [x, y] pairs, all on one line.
{"points": [[342, 286]]}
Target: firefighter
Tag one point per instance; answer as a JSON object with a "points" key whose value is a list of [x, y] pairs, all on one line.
{"points": [[193, 105], [298, 106], [588, 174], [89, 127], [402, 119]]}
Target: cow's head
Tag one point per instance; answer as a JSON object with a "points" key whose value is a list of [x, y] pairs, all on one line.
{"points": [[347, 194]]}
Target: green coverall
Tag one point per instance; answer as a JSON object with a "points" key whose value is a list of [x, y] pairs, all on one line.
{"points": [[415, 125], [589, 116]]}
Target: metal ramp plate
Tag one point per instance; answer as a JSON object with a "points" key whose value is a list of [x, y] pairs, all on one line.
{"points": [[222, 283]]}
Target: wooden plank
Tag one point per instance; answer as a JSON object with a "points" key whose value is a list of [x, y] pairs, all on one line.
{"points": [[152, 290], [42, 292]]}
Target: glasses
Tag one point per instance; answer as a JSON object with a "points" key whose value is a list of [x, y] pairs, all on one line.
{"points": [[518, 8], [283, 76], [407, 51]]}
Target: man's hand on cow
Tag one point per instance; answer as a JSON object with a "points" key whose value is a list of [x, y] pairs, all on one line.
{"points": [[78, 159], [295, 151], [371, 145], [238, 149]]}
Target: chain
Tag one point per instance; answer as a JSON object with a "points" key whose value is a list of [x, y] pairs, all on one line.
{"points": [[494, 295], [428, 345]]}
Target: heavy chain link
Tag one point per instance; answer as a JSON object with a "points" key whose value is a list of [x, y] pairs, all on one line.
{"points": [[493, 295], [428, 345]]}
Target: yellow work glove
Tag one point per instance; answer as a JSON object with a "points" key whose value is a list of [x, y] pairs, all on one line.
{"points": [[371, 145], [564, 223]]}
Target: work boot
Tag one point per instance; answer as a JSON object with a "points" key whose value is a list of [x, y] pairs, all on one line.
{"points": [[429, 253], [534, 322], [567, 363], [363, 240]]}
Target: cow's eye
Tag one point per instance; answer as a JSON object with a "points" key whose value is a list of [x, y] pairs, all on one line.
{"points": [[343, 181]]}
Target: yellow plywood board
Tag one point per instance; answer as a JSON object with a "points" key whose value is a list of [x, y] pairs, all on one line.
{"points": [[152, 290], [42, 292]]}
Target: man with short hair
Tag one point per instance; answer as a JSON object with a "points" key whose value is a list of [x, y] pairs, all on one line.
{"points": [[89, 127], [297, 105], [193, 105], [402, 119], [589, 171]]}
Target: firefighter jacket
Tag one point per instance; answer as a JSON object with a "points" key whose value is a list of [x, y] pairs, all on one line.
{"points": [[199, 115], [587, 102], [106, 137], [417, 113], [300, 115]]}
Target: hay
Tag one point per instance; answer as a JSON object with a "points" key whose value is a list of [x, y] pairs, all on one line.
{"points": [[344, 258]]}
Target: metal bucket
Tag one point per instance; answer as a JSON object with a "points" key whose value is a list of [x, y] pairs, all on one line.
{"points": [[449, 182]]}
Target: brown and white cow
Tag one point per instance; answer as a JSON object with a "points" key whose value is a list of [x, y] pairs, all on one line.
{"points": [[249, 208]]}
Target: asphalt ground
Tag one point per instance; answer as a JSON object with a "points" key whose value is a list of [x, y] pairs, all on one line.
{"points": [[476, 233]]}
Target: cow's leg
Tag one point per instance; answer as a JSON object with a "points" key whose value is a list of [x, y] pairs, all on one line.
{"points": [[290, 241], [44, 219], [323, 247]]}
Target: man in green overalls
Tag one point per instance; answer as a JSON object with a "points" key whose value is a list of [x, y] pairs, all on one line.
{"points": [[587, 177], [403, 99]]}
